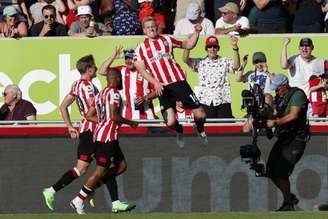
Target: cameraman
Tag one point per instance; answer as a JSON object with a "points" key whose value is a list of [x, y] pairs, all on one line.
{"points": [[292, 131]]}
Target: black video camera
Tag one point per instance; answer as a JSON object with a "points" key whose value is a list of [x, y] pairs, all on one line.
{"points": [[250, 154], [254, 102]]}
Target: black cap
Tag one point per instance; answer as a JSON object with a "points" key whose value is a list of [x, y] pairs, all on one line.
{"points": [[129, 53], [259, 57], [306, 42]]}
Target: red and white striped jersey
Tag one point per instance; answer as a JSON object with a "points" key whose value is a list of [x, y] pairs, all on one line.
{"points": [[184, 113], [106, 129], [134, 85], [84, 92], [318, 96], [157, 55]]}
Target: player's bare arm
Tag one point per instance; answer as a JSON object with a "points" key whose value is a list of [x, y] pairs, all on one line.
{"points": [[191, 41], [116, 117], [108, 62], [92, 114], [140, 65], [68, 100]]}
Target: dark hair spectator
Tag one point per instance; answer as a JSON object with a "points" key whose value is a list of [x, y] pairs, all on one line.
{"points": [[49, 26], [36, 9]]}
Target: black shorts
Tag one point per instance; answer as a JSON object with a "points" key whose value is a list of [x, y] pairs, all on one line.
{"points": [[178, 91], [108, 154], [86, 147], [285, 153]]}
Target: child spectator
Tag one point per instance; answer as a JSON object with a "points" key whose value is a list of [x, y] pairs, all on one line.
{"points": [[260, 75], [317, 93]]}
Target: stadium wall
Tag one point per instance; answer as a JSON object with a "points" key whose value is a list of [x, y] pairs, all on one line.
{"points": [[45, 68], [161, 177]]}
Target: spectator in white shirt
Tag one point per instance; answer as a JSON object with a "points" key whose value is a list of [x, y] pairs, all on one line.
{"points": [[231, 22], [214, 91], [186, 25], [301, 66]]}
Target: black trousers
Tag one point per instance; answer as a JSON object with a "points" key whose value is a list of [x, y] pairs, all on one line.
{"points": [[220, 111]]}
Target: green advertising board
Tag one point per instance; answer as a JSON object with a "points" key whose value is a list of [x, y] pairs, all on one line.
{"points": [[45, 68]]}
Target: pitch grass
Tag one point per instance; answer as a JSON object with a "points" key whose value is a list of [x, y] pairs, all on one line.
{"points": [[229, 215]]}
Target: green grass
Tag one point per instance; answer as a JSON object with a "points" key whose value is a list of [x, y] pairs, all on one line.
{"points": [[229, 215]]}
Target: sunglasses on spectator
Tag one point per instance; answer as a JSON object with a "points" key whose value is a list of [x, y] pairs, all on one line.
{"points": [[4, 94], [213, 46], [305, 45], [49, 16]]}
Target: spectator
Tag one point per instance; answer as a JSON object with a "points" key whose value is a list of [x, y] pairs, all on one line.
{"points": [[308, 16], [318, 98], [49, 26], [36, 9], [11, 26], [125, 20], [21, 7], [148, 8], [301, 66], [214, 86], [181, 8], [85, 26], [272, 16], [231, 22], [186, 25], [14, 107], [220, 3], [71, 10], [260, 75]]}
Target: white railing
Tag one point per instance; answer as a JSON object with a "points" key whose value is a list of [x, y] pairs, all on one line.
{"points": [[148, 123]]}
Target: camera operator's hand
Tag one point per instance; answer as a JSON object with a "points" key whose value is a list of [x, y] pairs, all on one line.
{"points": [[248, 125], [271, 123]]}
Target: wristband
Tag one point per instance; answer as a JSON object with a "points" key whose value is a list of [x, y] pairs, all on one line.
{"points": [[235, 49]]}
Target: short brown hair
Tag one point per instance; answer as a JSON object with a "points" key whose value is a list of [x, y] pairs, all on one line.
{"points": [[84, 63], [146, 19]]}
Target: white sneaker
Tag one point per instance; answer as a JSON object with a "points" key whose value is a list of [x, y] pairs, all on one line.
{"points": [[180, 139], [78, 207]]}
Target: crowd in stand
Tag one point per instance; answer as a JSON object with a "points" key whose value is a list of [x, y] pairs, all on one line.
{"points": [[21, 18]]}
